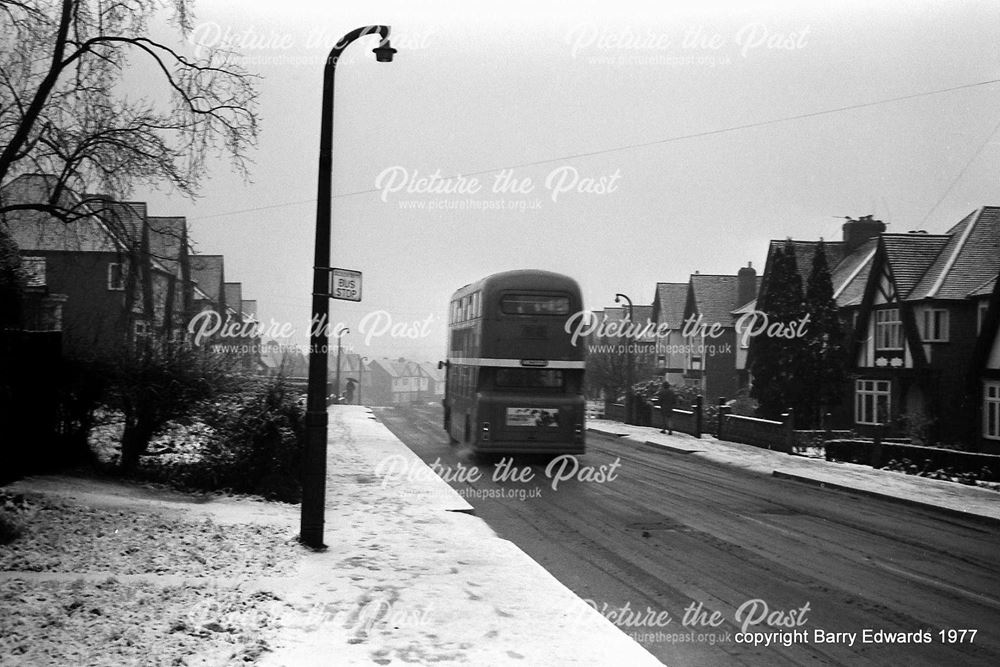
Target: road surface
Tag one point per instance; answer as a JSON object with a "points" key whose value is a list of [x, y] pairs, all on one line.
{"points": [[685, 555]]}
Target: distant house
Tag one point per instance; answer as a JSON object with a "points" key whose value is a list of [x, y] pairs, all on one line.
{"points": [[209, 272], [286, 360], [433, 383], [166, 243], [668, 315], [393, 382], [709, 329]]}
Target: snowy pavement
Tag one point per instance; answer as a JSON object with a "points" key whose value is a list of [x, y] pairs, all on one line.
{"points": [[417, 580], [949, 497]]}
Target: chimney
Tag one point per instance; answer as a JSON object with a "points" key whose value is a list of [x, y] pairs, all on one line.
{"points": [[746, 285], [858, 231]]}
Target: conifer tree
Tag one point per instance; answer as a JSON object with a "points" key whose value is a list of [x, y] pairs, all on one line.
{"points": [[777, 362], [824, 365]]}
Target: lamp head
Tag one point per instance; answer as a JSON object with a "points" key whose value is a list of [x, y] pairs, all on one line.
{"points": [[383, 52]]}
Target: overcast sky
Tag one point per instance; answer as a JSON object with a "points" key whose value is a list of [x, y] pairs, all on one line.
{"points": [[713, 128]]}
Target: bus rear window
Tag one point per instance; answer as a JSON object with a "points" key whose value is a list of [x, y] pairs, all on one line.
{"points": [[534, 304], [529, 378]]}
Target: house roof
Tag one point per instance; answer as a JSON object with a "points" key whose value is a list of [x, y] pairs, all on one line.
{"points": [[208, 272], [124, 218], [397, 368], [350, 362], [986, 289], [39, 231], [249, 308], [167, 240], [910, 256], [804, 252], [962, 262], [234, 296], [971, 257], [432, 370], [715, 297], [668, 304], [850, 276]]}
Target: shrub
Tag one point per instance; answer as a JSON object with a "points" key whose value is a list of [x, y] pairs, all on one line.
{"points": [[11, 527], [258, 441], [12, 511], [917, 426], [246, 442]]}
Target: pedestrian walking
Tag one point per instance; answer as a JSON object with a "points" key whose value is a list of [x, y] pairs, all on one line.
{"points": [[667, 399]]}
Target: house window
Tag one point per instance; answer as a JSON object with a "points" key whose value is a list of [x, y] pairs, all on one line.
{"points": [[935, 325], [991, 410], [141, 329], [888, 329], [34, 270], [116, 276], [871, 402], [981, 315]]}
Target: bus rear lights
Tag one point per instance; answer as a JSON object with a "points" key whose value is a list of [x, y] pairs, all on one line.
{"points": [[486, 430], [578, 433]]}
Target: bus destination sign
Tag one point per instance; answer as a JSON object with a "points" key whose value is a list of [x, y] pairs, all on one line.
{"points": [[345, 284]]}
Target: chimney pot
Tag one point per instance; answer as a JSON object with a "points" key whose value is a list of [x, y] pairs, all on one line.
{"points": [[856, 232]]}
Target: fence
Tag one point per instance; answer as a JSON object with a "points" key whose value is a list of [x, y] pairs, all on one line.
{"points": [[766, 433], [685, 421], [879, 452]]}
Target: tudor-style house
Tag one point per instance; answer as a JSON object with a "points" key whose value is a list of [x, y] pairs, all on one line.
{"points": [[920, 314], [918, 325]]}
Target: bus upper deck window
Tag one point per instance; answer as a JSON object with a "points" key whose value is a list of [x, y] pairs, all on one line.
{"points": [[534, 304]]}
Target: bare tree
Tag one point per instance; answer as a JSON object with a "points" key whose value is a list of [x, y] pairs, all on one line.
{"points": [[62, 113], [607, 369]]}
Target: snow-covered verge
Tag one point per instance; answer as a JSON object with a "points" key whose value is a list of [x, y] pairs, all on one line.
{"points": [[112, 586], [138, 623]]}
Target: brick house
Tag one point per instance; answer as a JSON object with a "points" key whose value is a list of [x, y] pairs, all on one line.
{"points": [[668, 315], [90, 267], [110, 278], [435, 380], [710, 358]]}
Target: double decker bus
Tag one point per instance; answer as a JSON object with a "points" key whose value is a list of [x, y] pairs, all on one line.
{"points": [[514, 381]]}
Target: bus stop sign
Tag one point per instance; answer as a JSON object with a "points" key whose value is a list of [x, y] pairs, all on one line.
{"points": [[345, 284]]}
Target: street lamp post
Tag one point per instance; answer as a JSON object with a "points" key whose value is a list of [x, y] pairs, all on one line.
{"points": [[314, 458], [340, 338], [361, 375], [629, 403]]}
